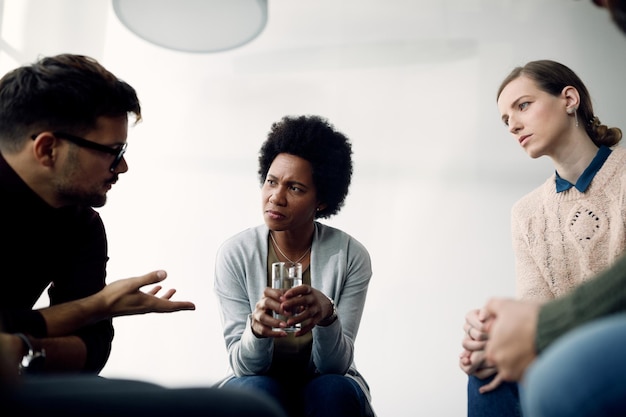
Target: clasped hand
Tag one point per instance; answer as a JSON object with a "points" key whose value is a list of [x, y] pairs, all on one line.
{"points": [[473, 358], [302, 304], [502, 335]]}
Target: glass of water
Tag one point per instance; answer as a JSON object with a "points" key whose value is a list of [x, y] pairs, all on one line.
{"points": [[286, 275]]}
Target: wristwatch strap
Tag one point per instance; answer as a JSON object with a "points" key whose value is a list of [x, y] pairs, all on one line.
{"points": [[32, 361], [327, 321]]}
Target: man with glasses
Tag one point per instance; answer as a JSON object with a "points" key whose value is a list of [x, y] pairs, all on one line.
{"points": [[63, 129], [117, 151]]}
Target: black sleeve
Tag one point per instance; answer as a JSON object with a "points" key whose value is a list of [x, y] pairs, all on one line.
{"points": [[83, 276], [23, 321], [97, 339]]}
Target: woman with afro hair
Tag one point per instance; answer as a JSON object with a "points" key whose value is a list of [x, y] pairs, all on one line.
{"points": [[305, 169]]}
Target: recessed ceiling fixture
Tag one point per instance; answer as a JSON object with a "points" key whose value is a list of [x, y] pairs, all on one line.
{"points": [[194, 25]]}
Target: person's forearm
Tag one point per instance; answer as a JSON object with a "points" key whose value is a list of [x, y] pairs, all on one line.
{"points": [[64, 319], [119, 298], [63, 354], [603, 295]]}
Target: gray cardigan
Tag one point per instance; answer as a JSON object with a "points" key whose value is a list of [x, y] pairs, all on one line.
{"points": [[340, 267]]}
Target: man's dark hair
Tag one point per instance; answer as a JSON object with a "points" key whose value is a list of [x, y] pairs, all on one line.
{"points": [[64, 92]]}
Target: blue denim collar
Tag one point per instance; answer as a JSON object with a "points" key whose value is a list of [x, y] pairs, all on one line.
{"points": [[587, 176]]}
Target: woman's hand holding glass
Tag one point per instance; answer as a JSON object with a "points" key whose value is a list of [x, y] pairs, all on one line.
{"points": [[302, 304]]}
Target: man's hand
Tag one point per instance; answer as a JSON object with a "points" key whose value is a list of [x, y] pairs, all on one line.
{"points": [[120, 298], [124, 297], [512, 328]]}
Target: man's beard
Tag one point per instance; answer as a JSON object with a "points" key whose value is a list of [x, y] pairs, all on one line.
{"points": [[73, 195], [68, 192]]}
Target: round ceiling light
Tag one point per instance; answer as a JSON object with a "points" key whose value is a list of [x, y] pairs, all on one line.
{"points": [[194, 25]]}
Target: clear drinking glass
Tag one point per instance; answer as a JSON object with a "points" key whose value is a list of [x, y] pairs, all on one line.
{"points": [[286, 275]]}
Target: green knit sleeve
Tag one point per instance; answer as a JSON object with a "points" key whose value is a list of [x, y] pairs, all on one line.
{"points": [[601, 296]]}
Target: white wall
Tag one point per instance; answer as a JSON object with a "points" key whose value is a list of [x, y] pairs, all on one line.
{"points": [[411, 83]]}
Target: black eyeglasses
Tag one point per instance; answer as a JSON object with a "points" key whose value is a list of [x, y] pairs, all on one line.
{"points": [[77, 140]]}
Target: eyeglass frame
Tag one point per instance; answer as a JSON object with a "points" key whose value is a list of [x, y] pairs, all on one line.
{"points": [[82, 142]]}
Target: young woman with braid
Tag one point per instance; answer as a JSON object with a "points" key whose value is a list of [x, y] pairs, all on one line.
{"points": [[568, 229]]}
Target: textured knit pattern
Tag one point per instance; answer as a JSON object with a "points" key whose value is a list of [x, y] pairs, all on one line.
{"points": [[562, 239]]}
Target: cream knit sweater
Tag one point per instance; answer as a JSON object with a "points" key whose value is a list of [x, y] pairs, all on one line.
{"points": [[562, 239]]}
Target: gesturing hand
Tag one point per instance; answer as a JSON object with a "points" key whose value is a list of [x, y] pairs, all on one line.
{"points": [[120, 298], [124, 297]]}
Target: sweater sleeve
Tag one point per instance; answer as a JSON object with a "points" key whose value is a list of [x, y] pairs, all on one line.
{"points": [[349, 268], [236, 279], [602, 296]]}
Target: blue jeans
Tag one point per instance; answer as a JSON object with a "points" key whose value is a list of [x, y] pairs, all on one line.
{"points": [[501, 402], [327, 395], [582, 374]]}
